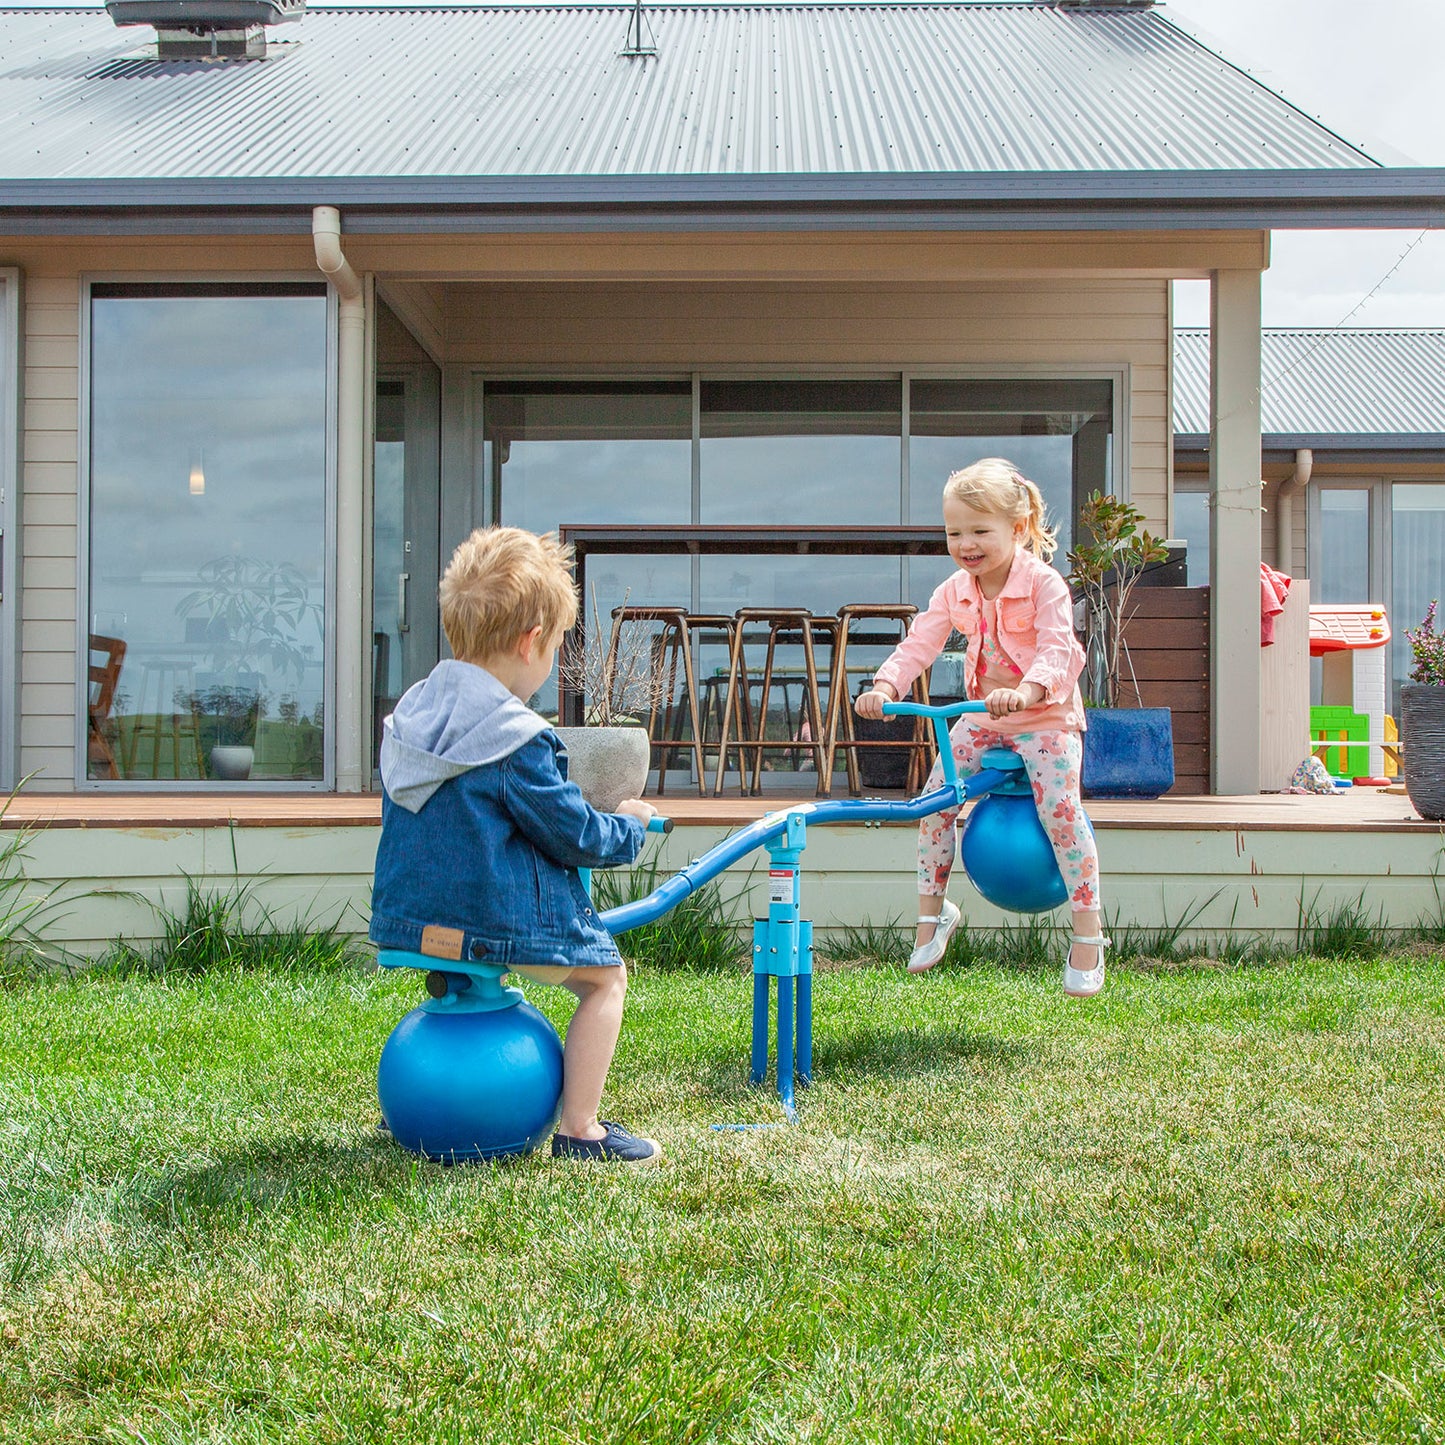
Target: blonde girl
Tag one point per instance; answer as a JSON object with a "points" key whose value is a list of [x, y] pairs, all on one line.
{"points": [[1024, 662]]}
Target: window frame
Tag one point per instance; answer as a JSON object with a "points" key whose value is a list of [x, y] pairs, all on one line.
{"points": [[258, 283]]}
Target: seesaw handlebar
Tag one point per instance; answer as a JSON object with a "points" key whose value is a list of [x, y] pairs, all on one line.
{"points": [[939, 716], [841, 810]]}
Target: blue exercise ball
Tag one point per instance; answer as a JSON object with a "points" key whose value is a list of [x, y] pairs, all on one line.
{"points": [[471, 1084], [1007, 855]]}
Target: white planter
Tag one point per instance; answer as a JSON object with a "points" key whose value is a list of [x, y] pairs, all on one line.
{"points": [[231, 763], [608, 764]]}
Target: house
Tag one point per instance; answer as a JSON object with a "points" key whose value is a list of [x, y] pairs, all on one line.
{"points": [[290, 307], [1353, 449]]}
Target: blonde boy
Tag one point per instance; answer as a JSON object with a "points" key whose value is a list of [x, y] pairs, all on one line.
{"points": [[482, 833]]}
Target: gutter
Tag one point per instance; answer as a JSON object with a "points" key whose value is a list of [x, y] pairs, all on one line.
{"points": [[1297, 481], [1339, 199], [350, 512]]}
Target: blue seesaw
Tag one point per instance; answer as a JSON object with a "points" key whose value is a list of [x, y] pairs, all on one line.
{"points": [[476, 1072]]}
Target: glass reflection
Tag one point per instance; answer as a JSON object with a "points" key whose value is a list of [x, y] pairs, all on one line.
{"points": [[801, 453], [1058, 433], [207, 526], [576, 452]]}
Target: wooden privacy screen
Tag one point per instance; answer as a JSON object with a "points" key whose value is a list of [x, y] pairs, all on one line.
{"points": [[1168, 638]]}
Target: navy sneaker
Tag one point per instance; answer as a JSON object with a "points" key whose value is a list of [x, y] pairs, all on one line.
{"points": [[617, 1146]]}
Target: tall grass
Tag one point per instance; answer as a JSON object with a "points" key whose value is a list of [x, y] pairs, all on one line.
{"points": [[228, 928], [24, 909]]}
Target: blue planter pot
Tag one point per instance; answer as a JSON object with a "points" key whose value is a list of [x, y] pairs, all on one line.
{"points": [[1128, 752]]}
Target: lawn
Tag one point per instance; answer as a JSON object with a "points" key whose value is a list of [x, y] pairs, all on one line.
{"points": [[1209, 1205]]}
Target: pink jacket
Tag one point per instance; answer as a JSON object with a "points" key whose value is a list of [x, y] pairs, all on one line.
{"points": [[1036, 629]]}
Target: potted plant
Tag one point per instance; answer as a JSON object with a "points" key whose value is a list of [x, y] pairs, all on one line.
{"points": [[621, 685], [1128, 751], [1422, 718], [251, 615]]}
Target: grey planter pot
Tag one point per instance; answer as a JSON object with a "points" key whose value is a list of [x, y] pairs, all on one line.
{"points": [[1422, 731], [608, 764]]}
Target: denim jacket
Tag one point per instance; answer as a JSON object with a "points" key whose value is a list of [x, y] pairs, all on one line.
{"points": [[484, 855]]}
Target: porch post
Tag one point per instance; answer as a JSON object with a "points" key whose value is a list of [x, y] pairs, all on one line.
{"points": [[1234, 530]]}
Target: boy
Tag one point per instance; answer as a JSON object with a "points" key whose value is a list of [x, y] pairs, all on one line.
{"points": [[482, 835]]}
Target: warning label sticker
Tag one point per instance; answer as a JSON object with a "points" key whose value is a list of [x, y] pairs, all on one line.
{"points": [[780, 885]]}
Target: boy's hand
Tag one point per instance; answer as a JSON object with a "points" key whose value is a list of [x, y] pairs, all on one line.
{"points": [[636, 808], [870, 703], [1004, 700]]}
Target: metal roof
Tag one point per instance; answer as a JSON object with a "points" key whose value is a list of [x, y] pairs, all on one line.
{"points": [[765, 89], [1347, 387]]}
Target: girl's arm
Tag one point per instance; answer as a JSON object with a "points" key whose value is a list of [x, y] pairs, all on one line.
{"points": [[1059, 659], [926, 636]]}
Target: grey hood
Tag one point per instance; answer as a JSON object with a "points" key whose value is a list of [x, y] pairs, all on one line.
{"points": [[458, 718]]}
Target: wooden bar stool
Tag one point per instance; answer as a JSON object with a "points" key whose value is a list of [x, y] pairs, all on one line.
{"points": [[669, 647], [749, 737], [715, 628], [841, 733]]}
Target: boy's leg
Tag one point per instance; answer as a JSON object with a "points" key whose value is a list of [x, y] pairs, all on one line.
{"points": [[591, 1041]]}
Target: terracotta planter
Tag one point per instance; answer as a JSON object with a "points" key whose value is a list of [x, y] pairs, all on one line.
{"points": [[1422, 730], [608, 764]]}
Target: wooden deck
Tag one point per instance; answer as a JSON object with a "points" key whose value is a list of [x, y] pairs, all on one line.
{"points": [[1358, 810]]}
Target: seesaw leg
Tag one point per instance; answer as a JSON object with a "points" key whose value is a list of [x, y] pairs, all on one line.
{"points": [[760, 1026]]}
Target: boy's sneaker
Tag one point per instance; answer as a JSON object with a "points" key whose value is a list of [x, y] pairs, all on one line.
{"points": [[617, 1146]]}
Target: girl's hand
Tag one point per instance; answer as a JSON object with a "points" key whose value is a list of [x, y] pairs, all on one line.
{"points": [[870, 704], [1004, 700]]}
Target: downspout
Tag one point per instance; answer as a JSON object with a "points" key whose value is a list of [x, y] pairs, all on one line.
{"points": [[350, 523], [1304, 461]]}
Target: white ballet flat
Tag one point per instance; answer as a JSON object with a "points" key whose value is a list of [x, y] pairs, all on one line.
{"points": [[927, 954], [1086, 982]]}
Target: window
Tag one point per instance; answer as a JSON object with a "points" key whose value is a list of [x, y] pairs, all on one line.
{"points": [[1418, 543], [1058, 433], [777, 452], [208, 498], [1191, 526]]}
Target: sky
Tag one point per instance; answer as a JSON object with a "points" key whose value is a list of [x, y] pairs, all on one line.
{"points": [[1372, 74]]}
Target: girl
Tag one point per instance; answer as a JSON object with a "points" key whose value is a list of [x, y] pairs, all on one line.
{"points": [[1024, 662]]}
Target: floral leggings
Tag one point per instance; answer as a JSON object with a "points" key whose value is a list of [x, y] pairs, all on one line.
{"points": [[1051, 759]]}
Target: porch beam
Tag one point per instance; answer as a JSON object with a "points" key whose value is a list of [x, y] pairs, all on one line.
{"points": [[1234, 530]]}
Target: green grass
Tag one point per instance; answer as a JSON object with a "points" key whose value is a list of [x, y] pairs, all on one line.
{"points": [[1209, 1205]]}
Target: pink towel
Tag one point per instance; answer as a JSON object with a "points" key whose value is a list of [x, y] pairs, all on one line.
{"points": [[1273, 589]]}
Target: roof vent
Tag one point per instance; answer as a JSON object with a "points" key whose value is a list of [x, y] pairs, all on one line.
{"points": [[206, 29]]}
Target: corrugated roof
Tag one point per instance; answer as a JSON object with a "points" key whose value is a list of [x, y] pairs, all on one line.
{"points": [[1329, 384], [543, 91]]}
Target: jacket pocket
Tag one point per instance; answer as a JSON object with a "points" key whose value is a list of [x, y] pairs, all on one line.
{"points": [[1015, 615]]}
